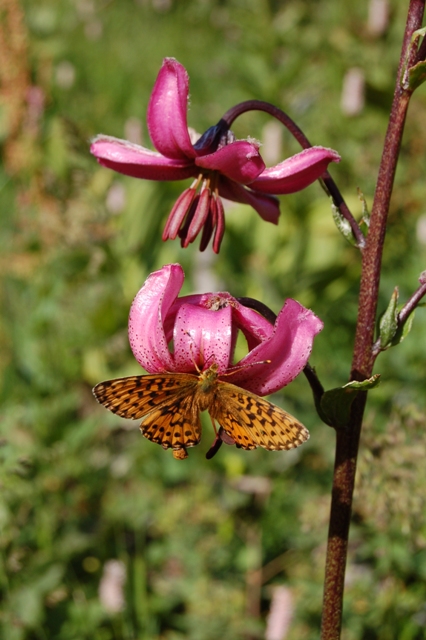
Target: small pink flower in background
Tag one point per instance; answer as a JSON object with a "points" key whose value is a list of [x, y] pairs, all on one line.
{"points": [[111, 586], [204, 330], [221, 165], [281, 614]]}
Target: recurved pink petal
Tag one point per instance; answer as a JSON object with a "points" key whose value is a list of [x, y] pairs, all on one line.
{"points": [[287, 348], [202, 337], [254, 326], [268, 207], [240, 161], [138, 162], [295, 173], [167, 112], [150, 307]]}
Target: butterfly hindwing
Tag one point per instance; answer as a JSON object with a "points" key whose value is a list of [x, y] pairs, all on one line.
{"points": [[175, 424], [253, 421], [136, 396]]}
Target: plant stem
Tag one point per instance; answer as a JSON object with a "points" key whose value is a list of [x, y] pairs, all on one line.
{"points": [[347, 440]]}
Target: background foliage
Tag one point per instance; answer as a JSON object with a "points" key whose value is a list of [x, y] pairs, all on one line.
{"points": [[200, 545]]}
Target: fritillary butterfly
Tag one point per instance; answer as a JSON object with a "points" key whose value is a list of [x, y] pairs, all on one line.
{"points": [[170, 404]]}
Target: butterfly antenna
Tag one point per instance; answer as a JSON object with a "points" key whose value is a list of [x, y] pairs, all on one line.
{"points": [[241, 367], [201, 355]]}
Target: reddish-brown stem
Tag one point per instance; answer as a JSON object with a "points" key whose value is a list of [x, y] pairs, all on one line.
{"points": [[412, 303], [297, 133], [347, 440]]}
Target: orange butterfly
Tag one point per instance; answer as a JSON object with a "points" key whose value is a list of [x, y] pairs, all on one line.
{"points": [[170, 404]]}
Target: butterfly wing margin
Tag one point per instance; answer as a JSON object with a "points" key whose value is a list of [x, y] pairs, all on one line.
{"points": [[252, 421], [136, 396]]}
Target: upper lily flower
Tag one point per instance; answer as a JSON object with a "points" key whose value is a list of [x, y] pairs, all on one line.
{"points": [[220, 164], [204, 330]]}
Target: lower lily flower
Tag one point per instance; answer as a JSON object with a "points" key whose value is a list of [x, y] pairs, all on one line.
{"points": [[198, 373], [220, 164]]}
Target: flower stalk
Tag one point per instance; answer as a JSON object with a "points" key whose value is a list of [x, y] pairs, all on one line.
{"points": [[330, 186]]}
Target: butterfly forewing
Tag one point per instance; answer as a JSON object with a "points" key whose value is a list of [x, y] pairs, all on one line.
{"points": [[254, 422], [165, 402], [136, 396]]}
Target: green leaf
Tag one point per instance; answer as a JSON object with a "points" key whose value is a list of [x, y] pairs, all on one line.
{"points": [[391, 330], [364, 385], [364, 224], [417, 75], [414, 76], [388, 325], [334, 406], [403, 330], [343, 225]]}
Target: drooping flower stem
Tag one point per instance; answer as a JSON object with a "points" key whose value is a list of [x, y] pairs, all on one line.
{"points": [[347, 441], [259, 105], [297, 133]]}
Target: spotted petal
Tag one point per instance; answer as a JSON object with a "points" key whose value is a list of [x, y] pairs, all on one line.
{"points": [[147, 337], [287, 351]]}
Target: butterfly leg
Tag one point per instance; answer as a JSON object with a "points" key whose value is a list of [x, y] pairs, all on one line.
{"points": [[221, 436]]}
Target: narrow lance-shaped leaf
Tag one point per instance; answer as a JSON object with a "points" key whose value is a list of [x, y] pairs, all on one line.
{"points": [[392, 330], [364, 224], [388, 324], [403, 330], [343, 225]]}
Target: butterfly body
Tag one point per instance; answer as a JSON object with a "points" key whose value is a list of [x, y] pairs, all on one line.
{"points": [[169, 405]]}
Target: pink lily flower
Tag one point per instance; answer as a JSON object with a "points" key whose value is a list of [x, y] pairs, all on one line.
{"points": [[220, 164], [204, 331]]}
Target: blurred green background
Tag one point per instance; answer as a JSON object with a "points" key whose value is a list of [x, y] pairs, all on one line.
{"points": [[104, 535]]}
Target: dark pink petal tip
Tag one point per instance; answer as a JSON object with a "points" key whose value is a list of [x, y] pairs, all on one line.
{"points": [[136, 161], [295, 173], [167, 123]]}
